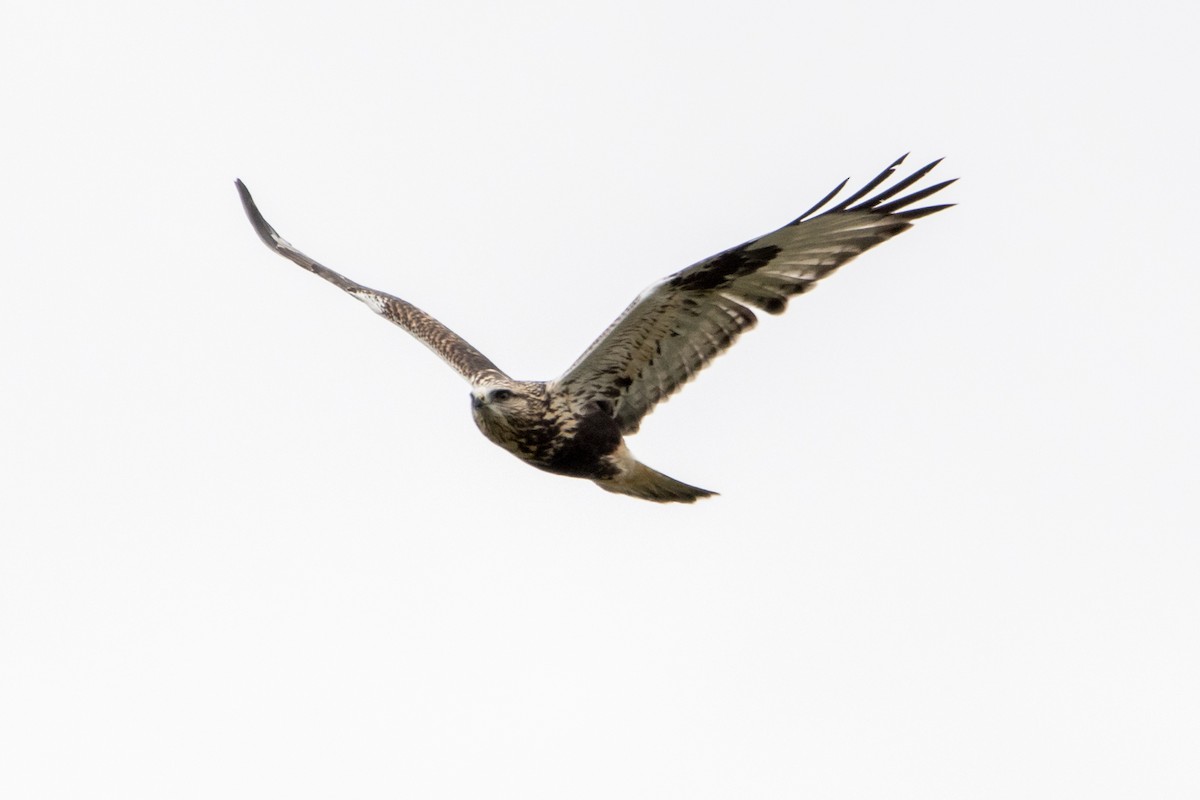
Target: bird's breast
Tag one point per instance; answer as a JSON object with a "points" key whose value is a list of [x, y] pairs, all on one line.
{"points": [[565, 443]]}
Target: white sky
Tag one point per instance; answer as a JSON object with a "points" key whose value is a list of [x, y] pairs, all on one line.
{"points": [[252, 546]]}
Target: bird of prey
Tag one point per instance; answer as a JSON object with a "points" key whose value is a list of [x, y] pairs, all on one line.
{"points": [[576, 424]]}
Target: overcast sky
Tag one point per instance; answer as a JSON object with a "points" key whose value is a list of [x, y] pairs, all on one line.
{"points": [[252, 545]]}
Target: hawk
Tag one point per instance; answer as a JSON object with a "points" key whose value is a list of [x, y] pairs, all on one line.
{"points": [[576, 424]]}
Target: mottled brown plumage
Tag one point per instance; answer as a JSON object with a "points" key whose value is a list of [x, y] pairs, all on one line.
{"points": [[575, 425]]}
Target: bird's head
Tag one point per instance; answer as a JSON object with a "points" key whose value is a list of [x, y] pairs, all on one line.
{"points": [[505, 410]]}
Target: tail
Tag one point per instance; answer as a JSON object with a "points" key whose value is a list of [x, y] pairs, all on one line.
{"points": [[637, 480]]}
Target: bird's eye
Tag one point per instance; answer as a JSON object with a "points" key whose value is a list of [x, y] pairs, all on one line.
{"points": [[500, 395]]}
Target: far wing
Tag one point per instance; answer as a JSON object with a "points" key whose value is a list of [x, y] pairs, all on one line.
{"points": [[674, 328], [454, 350]]}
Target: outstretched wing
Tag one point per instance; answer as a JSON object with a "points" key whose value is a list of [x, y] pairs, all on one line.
{"points": [[454, 350], [675, 327]]}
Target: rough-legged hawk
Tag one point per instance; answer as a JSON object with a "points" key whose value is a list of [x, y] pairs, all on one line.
{"points": [[575, 424]]}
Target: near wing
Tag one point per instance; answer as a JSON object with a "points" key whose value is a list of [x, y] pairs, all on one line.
{"points": [[470, 363], [674, 328]]}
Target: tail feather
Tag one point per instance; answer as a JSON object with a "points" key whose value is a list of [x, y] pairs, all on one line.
{"points": [[638, 480]]}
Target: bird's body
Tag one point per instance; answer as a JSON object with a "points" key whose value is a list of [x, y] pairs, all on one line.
{"points": [[558, 431], [575, 425]]}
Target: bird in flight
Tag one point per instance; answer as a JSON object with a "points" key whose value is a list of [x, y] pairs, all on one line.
{"points": [[576, 424]]}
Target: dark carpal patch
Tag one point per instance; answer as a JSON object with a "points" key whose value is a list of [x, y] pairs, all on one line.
{"points": [[726, 267]]}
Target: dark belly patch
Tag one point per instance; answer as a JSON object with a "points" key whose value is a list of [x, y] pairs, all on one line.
{"points": [[582, 456]]}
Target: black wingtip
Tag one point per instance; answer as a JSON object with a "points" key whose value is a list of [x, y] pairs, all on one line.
{"points": [[244, 193], [875, 204], [871, 184], [821, 203], [917, 213], [909, 199], [265, 232]]}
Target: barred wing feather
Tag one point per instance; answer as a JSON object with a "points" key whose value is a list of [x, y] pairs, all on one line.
{"points": [[454, 350], [678, 325]]}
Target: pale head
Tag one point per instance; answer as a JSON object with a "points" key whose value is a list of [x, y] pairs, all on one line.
{"points": [[507, 411]]}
